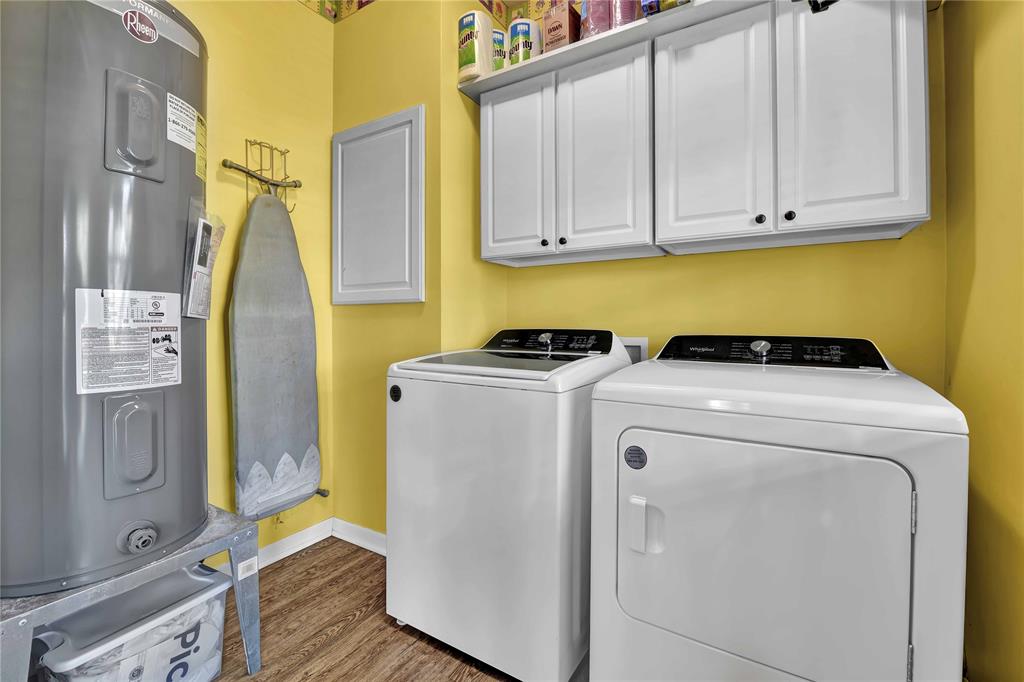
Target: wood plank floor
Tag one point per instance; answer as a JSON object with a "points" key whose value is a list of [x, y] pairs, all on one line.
{"points": [[323, 618]]}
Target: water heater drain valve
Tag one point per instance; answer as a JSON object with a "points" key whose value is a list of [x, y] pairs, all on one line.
{"points": [[137, 538]]}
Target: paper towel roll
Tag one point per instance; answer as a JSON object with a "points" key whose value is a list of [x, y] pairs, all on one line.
{"points": [[524, 40], [500, 46], [475, 45]]}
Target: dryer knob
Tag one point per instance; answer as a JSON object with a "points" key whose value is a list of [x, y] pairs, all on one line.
{"points": [[760, 348]]}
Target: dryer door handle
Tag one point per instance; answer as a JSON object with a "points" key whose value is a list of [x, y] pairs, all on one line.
{"points": [[638, 523]]}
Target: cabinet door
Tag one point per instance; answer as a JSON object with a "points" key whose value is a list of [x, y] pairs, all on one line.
{"points": [[853, 133], [797, 559], [714, 128], [604, 151], [517, 169]]}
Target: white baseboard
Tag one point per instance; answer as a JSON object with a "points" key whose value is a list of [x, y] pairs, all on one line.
{"points": [[364, 537], [296, 542], [333, 527]]}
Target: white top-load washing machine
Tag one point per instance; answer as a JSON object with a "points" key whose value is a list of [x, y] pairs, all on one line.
{"points": [[488, 517], [776, 508]]}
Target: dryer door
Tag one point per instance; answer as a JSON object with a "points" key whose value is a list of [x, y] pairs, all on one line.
{"points": [[796, 559]]}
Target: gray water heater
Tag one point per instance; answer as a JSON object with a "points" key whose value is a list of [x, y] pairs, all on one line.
{"points": [[103, 466]]}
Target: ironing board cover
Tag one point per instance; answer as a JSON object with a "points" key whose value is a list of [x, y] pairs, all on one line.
{"points": [[273, 368]]}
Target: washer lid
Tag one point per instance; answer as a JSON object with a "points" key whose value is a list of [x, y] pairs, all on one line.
{"points": [[486, 359], [870, 397], [549, 359]]}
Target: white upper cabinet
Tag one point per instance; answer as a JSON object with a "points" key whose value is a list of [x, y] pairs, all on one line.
{"points": [[517, 169], [714, 128], [603, 167], [772, 126], [853, 116]]}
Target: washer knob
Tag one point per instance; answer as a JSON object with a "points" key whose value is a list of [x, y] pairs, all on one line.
{"points": [[760, 349]]}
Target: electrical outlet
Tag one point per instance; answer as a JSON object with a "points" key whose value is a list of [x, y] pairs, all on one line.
{"points": [[636, 346]]}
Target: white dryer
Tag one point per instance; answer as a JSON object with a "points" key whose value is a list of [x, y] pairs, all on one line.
{"points": [[488, 516], [776, 508]]}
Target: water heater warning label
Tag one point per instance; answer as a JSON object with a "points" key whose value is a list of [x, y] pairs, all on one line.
{"points": [[187, 127], [126, 339], [181, 122]]}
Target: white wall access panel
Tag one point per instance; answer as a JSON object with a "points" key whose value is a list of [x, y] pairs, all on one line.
{"points": [[377, 213], [604, 151], [714, 120], [853, 114], [517, 169]]}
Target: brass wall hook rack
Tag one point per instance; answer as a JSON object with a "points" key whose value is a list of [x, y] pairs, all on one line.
{"points": [[267, 167], [228, 163]]}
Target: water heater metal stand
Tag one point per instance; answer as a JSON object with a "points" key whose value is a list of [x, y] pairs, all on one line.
{"points": [[21, 616]]}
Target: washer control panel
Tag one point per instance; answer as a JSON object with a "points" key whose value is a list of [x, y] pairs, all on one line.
{"points": [[801, 351], [590, 341]]}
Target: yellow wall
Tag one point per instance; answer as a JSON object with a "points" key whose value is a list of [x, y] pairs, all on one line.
{"points": [[891, 291], [269, 77], [395, 54], [985, 316], [474, 291], [389, 57], [384, 62]]}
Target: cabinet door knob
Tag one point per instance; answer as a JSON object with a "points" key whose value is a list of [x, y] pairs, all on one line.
{"points": [[562, 240], [760, 218], [789, 215], [543, 242]]}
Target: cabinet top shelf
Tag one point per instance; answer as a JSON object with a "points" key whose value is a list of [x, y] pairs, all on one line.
{"points": [[689, 14]]}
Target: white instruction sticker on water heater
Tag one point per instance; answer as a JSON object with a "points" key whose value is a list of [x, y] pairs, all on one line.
{"points": [[181, 122], [126, 339]]}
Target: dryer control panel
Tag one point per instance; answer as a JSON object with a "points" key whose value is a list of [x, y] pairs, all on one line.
{"points": [[801, 351], [589, 341]]}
